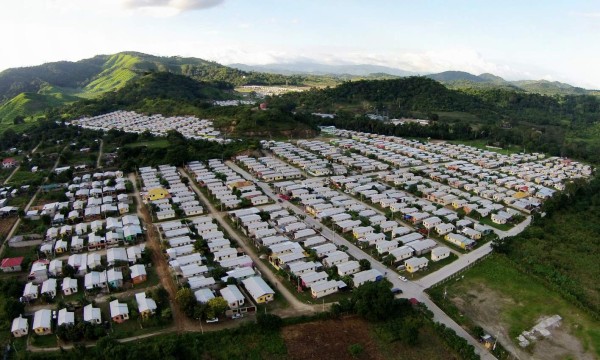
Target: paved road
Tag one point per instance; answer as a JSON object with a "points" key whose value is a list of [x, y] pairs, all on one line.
{"points": [[299, 307], [410, 289]]}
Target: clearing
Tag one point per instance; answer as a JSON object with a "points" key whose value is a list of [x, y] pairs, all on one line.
{"points": [[504, 302]]}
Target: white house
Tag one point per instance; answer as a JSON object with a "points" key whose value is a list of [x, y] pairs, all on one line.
{"points": [[92, 315], [69, 286], [323, 288], [20, 327], [366, 276], [233, 296], [439, 253]]}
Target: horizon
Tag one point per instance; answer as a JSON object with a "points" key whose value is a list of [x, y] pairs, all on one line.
{"points": [[509, 40]]}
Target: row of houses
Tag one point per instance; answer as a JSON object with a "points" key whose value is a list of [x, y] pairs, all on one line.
{"points": [[226, 185], [268, 168], [164, 190], [128, 121]]}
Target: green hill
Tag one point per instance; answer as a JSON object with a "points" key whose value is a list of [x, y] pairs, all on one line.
{"points": [[66, 81]]}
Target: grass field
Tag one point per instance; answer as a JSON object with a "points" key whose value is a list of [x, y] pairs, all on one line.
{"points": [[502, 300], [482, 144], [152, 144]]}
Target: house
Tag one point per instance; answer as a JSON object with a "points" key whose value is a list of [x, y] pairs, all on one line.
{"points": [[95, 280], [500, 218], [401, 253], [65, 317], [415, 264], [114, 278], [384, 246], [42, 322], [39, 271], [156, 194], [20, 326], [91, 314], [366, 276], [439, 253], [204, 295], [138, 273], [348, 268], [11, 264], [146, 305], [69, 286], [258, 289], [300, 267], [443, 228], [233, 296], [313, 277], [118, 312], [471, 233], [115, 255], [431, 222], [55, 267], [323, 288], [9, 163], [30, 292], [335, 258], [460, 241], [49, 287]]}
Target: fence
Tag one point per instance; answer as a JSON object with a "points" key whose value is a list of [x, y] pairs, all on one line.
{"points": [[459, 272]]}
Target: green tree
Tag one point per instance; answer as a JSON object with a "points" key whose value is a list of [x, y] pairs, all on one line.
{"points": [[374, 301], [217, 306], [364, 264]]}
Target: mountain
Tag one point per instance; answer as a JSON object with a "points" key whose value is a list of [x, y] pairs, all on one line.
{"points": [[461, 80], [29, 90], [312, 68]]}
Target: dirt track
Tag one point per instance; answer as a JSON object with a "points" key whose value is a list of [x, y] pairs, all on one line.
{"points": [[181, 321]]}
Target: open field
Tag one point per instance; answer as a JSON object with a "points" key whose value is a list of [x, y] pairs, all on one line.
{"points": [[482, 144], [505, 302], [333, 339], [158, 143]]}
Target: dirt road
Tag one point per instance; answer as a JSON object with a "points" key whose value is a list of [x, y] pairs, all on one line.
{"points": [[181, 321]]}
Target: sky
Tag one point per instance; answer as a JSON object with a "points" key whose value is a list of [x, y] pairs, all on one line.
{"points": [[556, 40]]}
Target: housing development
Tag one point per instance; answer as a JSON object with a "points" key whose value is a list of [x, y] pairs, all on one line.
{"points": [[305, 222]]}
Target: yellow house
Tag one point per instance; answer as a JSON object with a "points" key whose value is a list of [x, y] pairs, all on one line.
{"points": [[258, 289], [157, 194]]}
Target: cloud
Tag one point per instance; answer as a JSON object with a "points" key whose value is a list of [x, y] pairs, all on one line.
{"points": [[172, 5]]}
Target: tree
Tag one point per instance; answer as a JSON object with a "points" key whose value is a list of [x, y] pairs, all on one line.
{"points": [[217, 306], [364, 264], [13, 308], [187, 300], [374, 301]]}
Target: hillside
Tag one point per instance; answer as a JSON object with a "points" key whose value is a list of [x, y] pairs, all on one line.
{"points": [[92, 77], [171, 95]]}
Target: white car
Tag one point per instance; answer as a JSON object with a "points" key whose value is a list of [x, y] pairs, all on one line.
{"points": [[237, 316], [402, 278], [213, 320]]}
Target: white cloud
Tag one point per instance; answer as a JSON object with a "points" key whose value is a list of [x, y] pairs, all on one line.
{"points": [[171, 6]]}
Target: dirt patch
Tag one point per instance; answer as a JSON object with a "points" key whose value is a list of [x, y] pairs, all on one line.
{"points": [[330, 340], [484, 306]]}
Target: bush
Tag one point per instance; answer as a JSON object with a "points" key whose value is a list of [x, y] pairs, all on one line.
{"points": [[269, 322]]}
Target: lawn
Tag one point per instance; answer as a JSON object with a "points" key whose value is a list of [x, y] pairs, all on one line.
{"points": [[43, 341], [489, 222], [497, 296]]}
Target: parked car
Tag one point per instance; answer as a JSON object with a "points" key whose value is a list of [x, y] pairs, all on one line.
{"points": [[402, 278], [396, 291], [237, 316], [213, 320]]}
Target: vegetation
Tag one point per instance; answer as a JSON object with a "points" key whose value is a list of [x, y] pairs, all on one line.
{"points": [[497, 289], [561, 248]]}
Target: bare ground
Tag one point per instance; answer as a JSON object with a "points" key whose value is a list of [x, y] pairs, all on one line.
{"points": [[6, 225], [484, 306], [330, 339]]}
